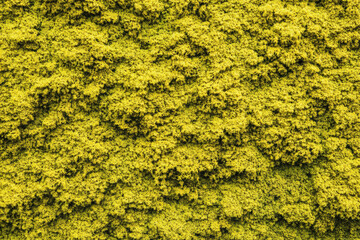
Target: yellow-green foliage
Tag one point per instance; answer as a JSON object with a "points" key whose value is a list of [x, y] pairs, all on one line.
{"points": [[179, 119]]}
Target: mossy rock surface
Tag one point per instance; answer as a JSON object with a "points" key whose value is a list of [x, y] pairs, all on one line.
{"points": [[179, 119]]}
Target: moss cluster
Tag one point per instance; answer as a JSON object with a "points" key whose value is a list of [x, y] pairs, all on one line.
{"points": [[180, 119]]}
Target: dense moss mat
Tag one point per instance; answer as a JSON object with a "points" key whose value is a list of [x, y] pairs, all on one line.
{"points": [[179, 119]]}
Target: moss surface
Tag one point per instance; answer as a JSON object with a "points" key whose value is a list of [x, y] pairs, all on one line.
{"points": [[179, 119]]}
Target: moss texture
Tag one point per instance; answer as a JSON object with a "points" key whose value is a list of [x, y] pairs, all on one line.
{"points": [[179, 119]]}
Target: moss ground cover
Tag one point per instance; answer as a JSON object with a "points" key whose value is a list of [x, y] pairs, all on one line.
{"points": [[179, 119]]}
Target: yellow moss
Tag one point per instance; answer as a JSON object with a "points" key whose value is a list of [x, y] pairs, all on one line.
{"points": [[179, 119]]}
